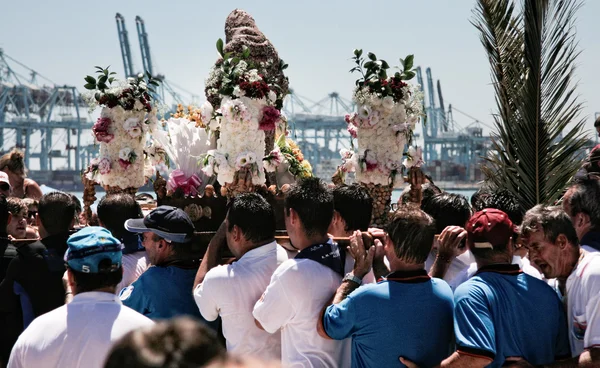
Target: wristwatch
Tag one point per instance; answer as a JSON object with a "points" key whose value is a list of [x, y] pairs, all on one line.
{"points": [[351, 277]]}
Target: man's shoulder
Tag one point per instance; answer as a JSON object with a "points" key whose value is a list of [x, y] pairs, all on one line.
{"points": [[220, 273], [475, 286], [132, 317]]}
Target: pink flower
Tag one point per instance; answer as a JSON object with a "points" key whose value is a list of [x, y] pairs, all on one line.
{"points": [[104, 166], [371, 166], [270, 117], [101, 130], [124, 164], [352, 130]]}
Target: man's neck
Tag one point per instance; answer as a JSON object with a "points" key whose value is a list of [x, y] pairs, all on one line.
{"points": [[488, 262], [108, 289], [302, 241], [397, 265], [251, 246]]}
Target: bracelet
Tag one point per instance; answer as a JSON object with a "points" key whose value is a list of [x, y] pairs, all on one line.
{"points": [[351, 277], [444, 258]]}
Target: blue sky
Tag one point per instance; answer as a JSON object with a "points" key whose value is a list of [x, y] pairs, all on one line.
{"points": [[64, 39]]}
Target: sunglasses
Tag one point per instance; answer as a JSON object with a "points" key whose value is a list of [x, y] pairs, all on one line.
{"points": [[32, 213], [5, 187]]}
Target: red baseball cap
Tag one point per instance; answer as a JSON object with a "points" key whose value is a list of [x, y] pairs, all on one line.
{"points": [[489, 228]]}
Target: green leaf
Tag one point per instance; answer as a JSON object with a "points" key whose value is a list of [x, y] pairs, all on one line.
{"points": [[246, 52], [409, 75], [382, 74], [358, 53], [402, 62], [235, 60], [220, 46], [90, 79], [369, 64], [397, 75], [90, 86], [372, 56], [102, 79], [284, 67], [384, 64], [110, 80], [102, 86], [408, 62], [113, 73]]}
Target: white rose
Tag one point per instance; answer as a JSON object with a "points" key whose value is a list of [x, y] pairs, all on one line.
{"points": [[364, 111], [124, 153], [375, 101], [412, 120], [388, 102]]}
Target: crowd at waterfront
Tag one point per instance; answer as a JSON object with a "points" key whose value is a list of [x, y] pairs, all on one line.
{"points": [[451, 282]]}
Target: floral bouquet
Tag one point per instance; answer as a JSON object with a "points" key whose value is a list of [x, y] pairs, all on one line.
{"points": [[250, 106], [126, 118], [183, 142], [388, 110]]}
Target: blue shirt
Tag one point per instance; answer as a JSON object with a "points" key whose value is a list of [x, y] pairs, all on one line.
{"points": [[501, 312], [408, 314], [163, 292]]}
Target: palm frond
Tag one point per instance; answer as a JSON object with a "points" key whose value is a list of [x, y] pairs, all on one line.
{"points": [[532, 56]]}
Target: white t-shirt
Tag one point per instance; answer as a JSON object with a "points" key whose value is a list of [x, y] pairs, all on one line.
{"points": [[526, 267], [458, 271], [134, 265], [293, 302], [231, 292], [583, 304], [78, 334]]}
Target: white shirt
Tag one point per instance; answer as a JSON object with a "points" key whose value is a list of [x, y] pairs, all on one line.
{"points": [[526, 267], [78, 334], [583, 304], [292, 302], [458, 271], [231, 292], [134, 265]]}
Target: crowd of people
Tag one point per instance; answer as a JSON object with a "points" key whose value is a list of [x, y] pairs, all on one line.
{"points": [[449, 283]]}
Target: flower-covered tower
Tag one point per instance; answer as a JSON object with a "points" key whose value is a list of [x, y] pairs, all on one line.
{"points": [[245, 89], [388, 109]]}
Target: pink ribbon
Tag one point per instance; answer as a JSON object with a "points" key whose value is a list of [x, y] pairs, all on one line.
{"points": [[178, 180]]}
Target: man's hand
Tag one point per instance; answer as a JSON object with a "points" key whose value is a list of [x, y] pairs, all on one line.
{"points": [[408, 363], [449, 241], [363, 259]]}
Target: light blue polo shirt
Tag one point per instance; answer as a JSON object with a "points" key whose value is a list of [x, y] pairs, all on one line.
{"points": [[408, 314], [501, 312]]}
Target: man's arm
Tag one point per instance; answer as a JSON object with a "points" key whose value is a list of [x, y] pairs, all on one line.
{"points": [[590, 358], [362, 265], [449, 241], [211, 257]]}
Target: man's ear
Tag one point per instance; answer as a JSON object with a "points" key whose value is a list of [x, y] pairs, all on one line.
{"points": [[9, 218], [237, 233], [561, 241], [583, 219]]}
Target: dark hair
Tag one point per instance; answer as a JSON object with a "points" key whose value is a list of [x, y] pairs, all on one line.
{"points": [[14, 161], [16, 205], [411, 231], [585, 198], [591, 164], [56, 211], [597, 122], [355, 205], [253, 215], [448, 209], [478, 199], [179, 342], [3, 214], [552, 220], [115, 209], [93, 281], [313, 202], [505, 201]]}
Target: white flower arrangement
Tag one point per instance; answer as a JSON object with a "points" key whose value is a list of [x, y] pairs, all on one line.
{"points": [[122, 129], [388, 110], [249, 106]]}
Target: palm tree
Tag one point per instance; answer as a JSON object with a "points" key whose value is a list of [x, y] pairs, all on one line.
{"points": [[532, 53]]}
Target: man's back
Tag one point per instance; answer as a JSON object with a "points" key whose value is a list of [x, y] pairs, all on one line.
{"points": [[293, 301], [163, 292], [501, 312], [231, 292], [78, 334], [408, 315], [134, 265]]}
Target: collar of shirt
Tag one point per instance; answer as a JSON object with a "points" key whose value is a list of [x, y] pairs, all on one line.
{"points": [[95, 297], [411, 277], [258, 252], [502, 268]]}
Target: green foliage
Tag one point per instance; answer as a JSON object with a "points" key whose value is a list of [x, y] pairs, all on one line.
{"points": [[532, 58]]}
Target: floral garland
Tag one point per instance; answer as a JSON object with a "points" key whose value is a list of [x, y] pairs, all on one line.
{"points": [[287, 152], [250, 105], [127, 116], [387, 114]]}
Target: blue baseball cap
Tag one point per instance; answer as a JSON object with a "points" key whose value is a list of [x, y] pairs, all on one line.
{"points": [[170, 223], [90, 246]]}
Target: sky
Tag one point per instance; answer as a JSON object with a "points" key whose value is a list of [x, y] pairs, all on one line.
{"points": [[64, 39]]}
